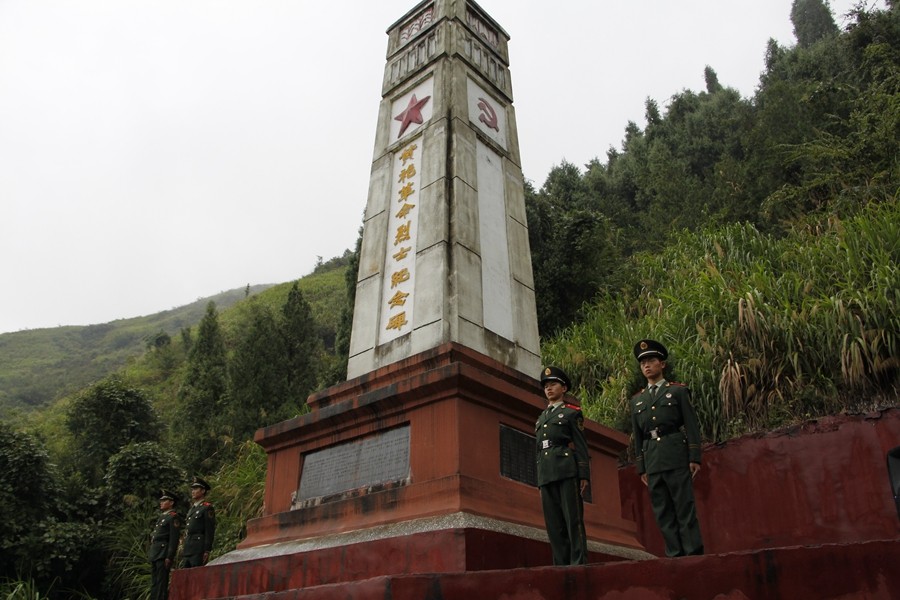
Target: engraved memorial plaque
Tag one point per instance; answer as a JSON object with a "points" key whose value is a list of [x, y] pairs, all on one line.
{"points": [[517, 456], [377, 459]]}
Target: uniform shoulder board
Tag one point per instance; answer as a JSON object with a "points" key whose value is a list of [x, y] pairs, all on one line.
{"points": [[207, 504], [573, 406], [678, 383], [173, 513]]}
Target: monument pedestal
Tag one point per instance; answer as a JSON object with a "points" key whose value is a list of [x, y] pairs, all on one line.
{"points": [[425, 465]]}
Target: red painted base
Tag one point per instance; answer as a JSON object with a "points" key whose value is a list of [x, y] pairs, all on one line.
{"points": [[455, 402], [866, 571], [450, 551]]}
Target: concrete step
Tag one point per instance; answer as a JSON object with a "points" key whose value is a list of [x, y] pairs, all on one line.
{"points": [[867, 570]]}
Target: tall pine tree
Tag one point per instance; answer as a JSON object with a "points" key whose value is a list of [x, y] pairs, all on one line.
{"points": [[301, 348], [812, 21], [256, 373], [198, 426]]}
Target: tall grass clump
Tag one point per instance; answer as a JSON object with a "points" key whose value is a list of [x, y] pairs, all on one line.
{"points": [[238, 495], [766, 331]]}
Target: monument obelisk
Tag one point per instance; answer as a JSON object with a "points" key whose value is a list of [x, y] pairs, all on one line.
{"points": [[424, 460], [445, 255]]}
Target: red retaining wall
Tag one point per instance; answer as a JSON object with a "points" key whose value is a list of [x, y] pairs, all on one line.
{"points": [[806, 512], [825, 481]]}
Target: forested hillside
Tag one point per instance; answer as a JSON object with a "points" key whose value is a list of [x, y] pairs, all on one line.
{"points": [[40, 365], [758, 237]]}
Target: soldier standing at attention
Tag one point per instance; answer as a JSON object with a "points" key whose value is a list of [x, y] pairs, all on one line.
{"points": [[164, 545], [563, 470], [200, 527], [667, 450]]}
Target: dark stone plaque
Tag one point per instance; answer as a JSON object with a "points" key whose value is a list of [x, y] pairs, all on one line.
{"points": [[374, 460], [517, 456]]}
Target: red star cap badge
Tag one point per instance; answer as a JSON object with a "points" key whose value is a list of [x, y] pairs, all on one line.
{"points": [[412, 114]]}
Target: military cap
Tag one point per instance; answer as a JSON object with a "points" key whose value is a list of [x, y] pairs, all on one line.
{"points": [[165, 494], [556, 374], [201, 483], [649, 349]]}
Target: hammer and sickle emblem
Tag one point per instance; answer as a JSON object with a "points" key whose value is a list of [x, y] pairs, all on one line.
{"points": [[488, 116]]}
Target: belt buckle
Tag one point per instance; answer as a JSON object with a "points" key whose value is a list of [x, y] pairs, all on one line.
{"points": [[654, 434], [545, 444]]}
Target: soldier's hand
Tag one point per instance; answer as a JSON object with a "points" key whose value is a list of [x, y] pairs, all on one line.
{"points": [[644, 478], [695, 468], [585, 484], [168, 563], [205, 557]]}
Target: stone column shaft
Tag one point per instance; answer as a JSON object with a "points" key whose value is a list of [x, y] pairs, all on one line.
{"points": [[445, 254]]}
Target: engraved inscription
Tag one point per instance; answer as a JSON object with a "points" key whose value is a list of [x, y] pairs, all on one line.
{"points": [[371, 461], [517, 456]]}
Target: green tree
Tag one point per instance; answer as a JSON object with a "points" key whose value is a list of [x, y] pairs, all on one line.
{"points": [[161, 352], [712, 80], [105, 418], [345, 325], [187, 340], [26, 493], [301, 348], [37, 539], [563, 222], [651, 113], [812, 20], [201, 399], [257, 377], [138, 472]]}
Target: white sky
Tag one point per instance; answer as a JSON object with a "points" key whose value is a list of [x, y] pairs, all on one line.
{"points": [[153, 152]]}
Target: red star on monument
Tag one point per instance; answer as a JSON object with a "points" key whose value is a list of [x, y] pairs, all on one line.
{"points": [[412, 114]]}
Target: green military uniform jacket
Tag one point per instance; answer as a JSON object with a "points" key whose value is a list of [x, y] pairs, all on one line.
{"points": [[200, 529], [666, 432], [165, 536], [554, 432]]}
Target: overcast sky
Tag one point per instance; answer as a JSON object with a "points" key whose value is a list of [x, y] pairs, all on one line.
{"points": [[153, 152]]}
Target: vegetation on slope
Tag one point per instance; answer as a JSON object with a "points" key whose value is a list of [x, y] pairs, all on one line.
{"points": [[39, 366]]}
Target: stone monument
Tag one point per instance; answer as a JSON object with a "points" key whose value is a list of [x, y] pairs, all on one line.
{"points": [[423, 461], [445, 254]]}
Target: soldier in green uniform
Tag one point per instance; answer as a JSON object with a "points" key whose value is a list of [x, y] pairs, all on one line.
{"points": [[667, 450], [200, 527], [563, 470], [164, 545]]}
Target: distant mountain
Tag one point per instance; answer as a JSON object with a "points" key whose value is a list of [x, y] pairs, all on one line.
{"points": [[40, 365]]}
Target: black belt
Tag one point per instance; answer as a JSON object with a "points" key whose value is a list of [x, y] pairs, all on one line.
{"points": [[550, 444], [661, 432]]}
